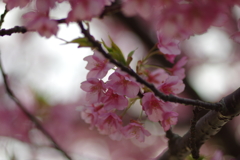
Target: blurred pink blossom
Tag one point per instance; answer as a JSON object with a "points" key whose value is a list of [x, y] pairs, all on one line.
{"points": [[85, 9], [16, 3], [135, 129], [41, 23]]}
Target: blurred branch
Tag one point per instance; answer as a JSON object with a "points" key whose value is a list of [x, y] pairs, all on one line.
{"points": [[16, 29], [170, 98], [207, 126], [28, 114]]}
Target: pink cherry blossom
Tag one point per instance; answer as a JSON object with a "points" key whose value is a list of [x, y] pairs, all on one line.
{"points": [[152, 106], [41, 23], [177, 69], [157, 76], [168, 45], [123, 84], [90, 114], [95, 89], [45, 5], [111, 124], [98, 65], [181, 20], [172, 85], [141, 7], [85, 9], [16, 3], [135, 129], [114, 101], [169, 118]]}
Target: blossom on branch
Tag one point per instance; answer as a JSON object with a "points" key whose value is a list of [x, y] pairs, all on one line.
{"points": [[135, 129], [114, 101], [123, 84], [95, 89], [110, 124], [172, 85], [40, 22], [98, 65], [177, 69], [169, 118], [86, 9]]}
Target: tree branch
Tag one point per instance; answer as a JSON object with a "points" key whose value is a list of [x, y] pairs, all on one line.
{"points": [[29, 115], [207, 126]]}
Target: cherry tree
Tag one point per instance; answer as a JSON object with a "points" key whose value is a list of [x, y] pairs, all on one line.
{"points": [[114, 83]]}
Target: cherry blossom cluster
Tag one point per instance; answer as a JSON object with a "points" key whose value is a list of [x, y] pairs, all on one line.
{"points": [[40, 21], [177, 20], [107, 102], [173, 20]]}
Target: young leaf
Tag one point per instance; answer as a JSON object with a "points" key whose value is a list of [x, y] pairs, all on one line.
{"points": [[129, 57], [82, 41], [115, 52]]}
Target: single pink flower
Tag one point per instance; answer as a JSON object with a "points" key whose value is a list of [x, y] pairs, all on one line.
{"points": [[90, 114], [152, 106], [169, 118], [168, 46], [16, 3], [141, 7], [95, 89], [111, 124], [123, 84], [98, 65], [156, 77], [85, 9], [112, 100], [41, 23], [135, 129], [177, 69], [172, 85], [45, 5]]}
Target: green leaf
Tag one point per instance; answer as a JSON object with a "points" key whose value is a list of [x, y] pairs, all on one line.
{"points": [[83, 42], [115, 52], [129, 57]]}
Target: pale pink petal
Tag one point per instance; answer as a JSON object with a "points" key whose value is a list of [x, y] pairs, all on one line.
{"points": [[169, 118]]}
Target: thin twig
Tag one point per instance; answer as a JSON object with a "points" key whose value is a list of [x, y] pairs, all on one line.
{"points": [[170, 98], [3, 16], [28, 114]]}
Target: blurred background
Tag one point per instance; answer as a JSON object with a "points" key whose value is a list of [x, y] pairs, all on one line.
{"points": [[45, 74]]}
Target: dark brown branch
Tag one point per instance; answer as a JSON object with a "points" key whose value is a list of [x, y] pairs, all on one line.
{"points": [[194, 149], [16, 29], [29, 115], [207, 126], [3, 16], [170, 98]]}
